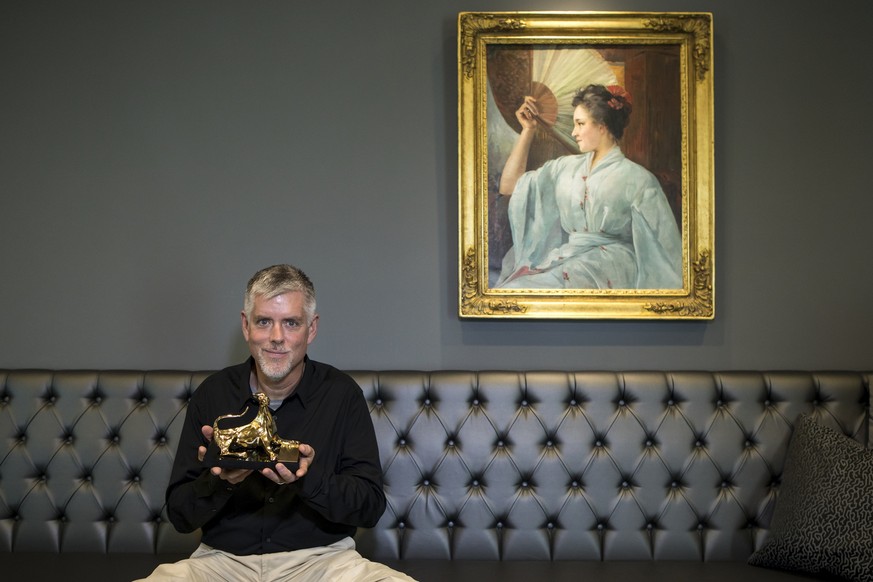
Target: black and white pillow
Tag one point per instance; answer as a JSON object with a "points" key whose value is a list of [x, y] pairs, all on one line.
{"points": [[823, 519]]}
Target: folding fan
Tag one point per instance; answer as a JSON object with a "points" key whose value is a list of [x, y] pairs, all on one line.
{"points": [[552, 75]]}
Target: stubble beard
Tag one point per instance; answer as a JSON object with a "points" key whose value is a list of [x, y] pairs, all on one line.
{"points": [[275, 371]]}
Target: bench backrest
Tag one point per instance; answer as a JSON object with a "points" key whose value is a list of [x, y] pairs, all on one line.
{"points": [[478, 465]]}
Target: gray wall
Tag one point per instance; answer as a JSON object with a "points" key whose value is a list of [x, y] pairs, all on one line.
{"points": [[154, 154]]}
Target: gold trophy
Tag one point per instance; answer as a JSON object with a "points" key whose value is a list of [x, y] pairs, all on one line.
{"points": [[252, 445]]}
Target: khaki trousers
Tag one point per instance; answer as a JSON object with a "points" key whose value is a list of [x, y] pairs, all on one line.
{"points": [[337, 562]]}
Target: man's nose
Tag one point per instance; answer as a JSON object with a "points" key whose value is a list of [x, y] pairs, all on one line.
{"points": [[276, 334]]}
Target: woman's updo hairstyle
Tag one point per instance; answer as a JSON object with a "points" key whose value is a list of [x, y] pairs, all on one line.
{"points": [[608, 106]]}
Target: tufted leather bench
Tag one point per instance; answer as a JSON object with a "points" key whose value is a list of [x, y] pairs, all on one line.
{"points": [[489, 475]]}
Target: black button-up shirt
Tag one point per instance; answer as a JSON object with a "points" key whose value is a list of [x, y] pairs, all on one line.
{"points": [[341, 491]]}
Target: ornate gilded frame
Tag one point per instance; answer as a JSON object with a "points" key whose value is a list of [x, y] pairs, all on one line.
{"points": [[689, 35]]}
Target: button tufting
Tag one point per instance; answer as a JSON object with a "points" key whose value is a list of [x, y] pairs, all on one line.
{"points": [[673, 423]]}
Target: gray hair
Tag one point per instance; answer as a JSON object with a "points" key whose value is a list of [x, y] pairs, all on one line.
{"points": [[276, 280]]}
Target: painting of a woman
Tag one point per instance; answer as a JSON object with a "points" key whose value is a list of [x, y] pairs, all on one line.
{"points": [[594, 220]]}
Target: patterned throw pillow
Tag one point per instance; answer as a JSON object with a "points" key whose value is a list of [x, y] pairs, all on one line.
{"points": [[823, 520]]}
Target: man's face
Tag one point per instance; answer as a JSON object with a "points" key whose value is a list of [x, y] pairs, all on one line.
{"points": [[278, 334]]}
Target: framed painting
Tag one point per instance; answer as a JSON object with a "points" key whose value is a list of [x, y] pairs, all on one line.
{"points": [[586, 165]]}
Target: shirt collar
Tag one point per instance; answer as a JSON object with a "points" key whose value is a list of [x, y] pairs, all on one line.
{"points": [[305, 388]]}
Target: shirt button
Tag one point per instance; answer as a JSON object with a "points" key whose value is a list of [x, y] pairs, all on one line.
{"points": [[270, 500]]}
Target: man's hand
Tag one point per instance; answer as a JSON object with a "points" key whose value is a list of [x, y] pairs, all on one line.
{"points": [[283, 475], [232, 476]]}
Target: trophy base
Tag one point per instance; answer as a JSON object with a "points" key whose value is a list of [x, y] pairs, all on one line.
{"points": [[288, 457]]}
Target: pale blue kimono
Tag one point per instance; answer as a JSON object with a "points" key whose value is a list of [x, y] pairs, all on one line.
{"points": [[619, 233]]}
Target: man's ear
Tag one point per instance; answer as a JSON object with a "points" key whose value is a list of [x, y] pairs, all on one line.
{"points": [[313, 329], [244, 320]]}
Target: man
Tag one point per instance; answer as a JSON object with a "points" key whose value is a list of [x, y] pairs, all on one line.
{"points": [[280, 524]]}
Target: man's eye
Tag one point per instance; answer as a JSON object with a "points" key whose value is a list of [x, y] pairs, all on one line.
{"points": [[263, 322], [292, 324]]}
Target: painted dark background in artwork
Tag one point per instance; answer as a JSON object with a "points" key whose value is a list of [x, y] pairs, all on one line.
{"points": [[154, 154], [654, 135]]}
